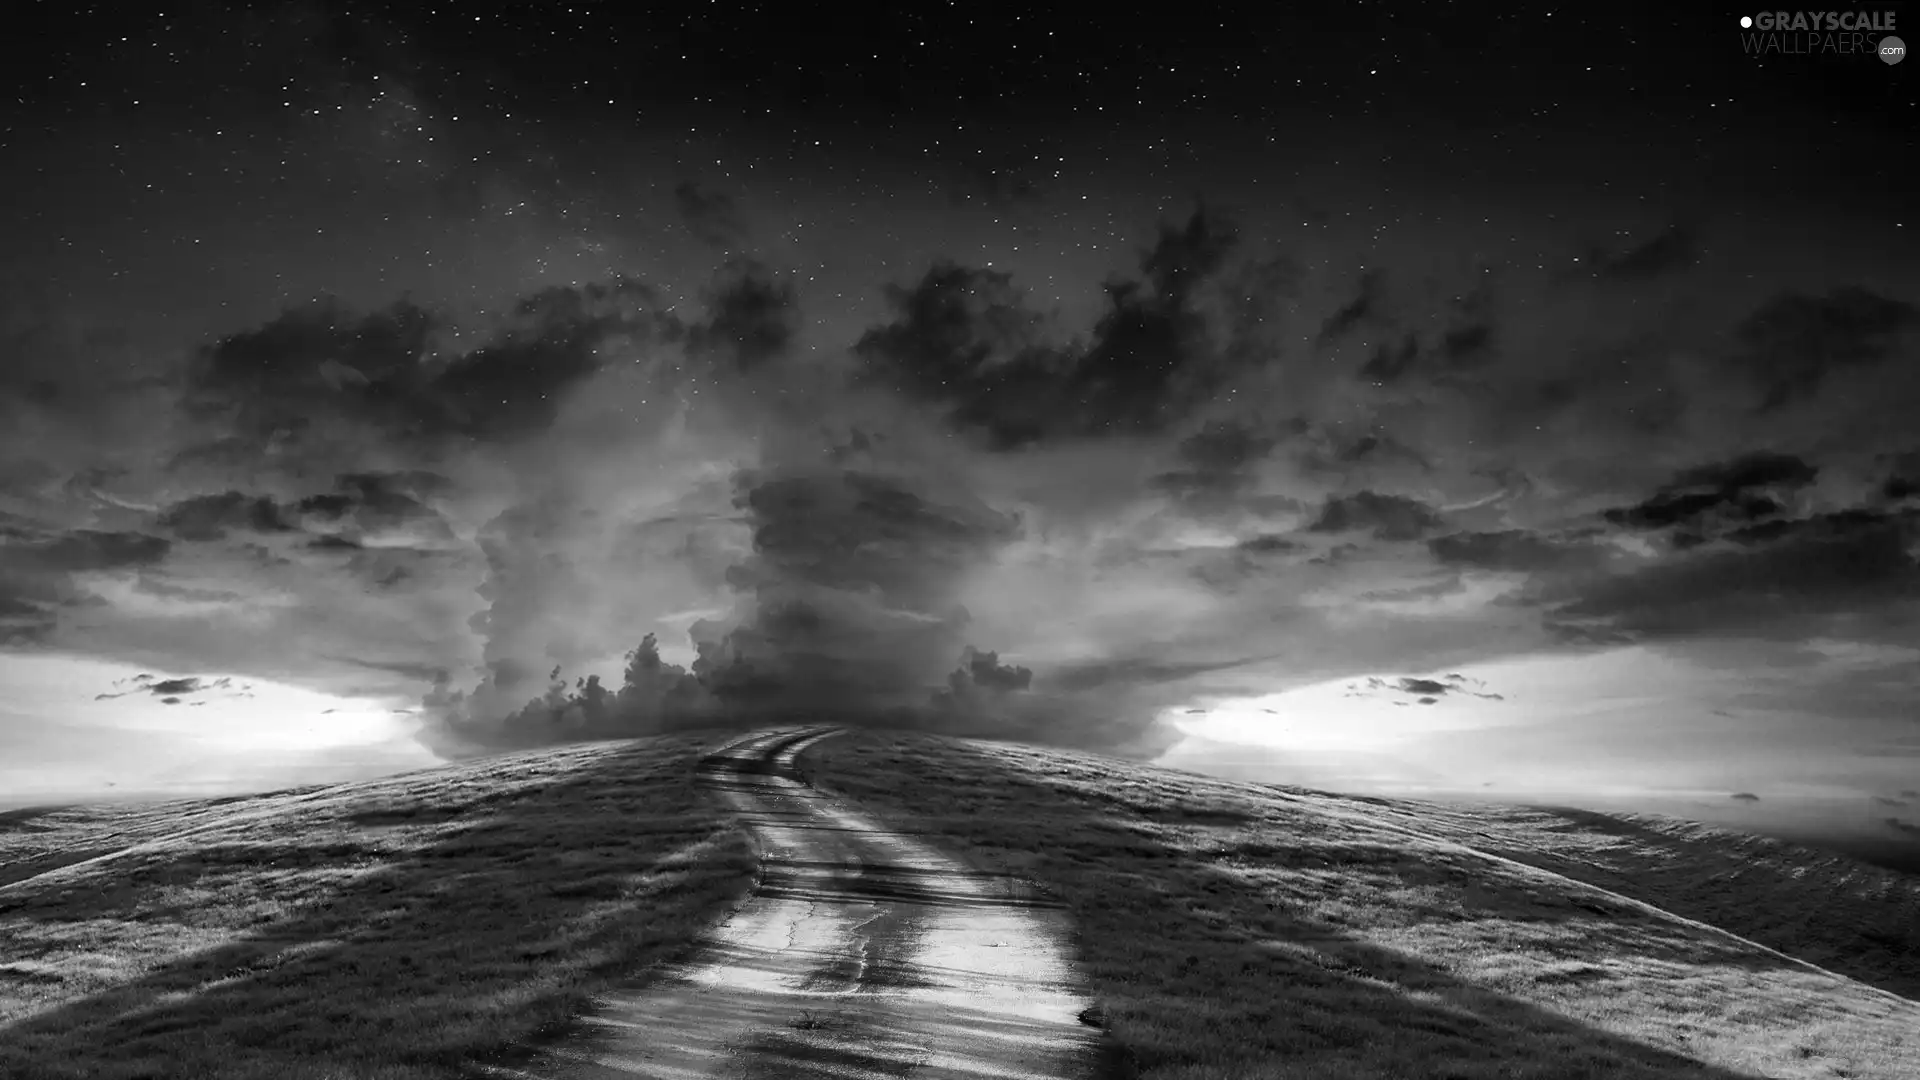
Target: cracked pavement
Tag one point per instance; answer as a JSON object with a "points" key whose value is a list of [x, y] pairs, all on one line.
{"points": [[862, 953]]}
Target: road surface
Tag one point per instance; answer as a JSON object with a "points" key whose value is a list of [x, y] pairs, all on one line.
{"points": [[861, 954]]}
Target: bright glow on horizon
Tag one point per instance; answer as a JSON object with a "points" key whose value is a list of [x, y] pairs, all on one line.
{"points": [[1631, 723], [60, 737], [1331, 716]]}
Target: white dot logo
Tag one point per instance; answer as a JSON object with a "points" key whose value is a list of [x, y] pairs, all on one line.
{"points": [[1746, 22], [1892, 49]]}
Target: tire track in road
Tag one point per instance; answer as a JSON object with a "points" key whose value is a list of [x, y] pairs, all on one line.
{"points": [[862, 953]]}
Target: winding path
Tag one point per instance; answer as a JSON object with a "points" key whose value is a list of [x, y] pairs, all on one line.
{"points": [[861, 954]]}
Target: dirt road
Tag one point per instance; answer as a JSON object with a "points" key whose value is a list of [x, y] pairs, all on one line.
{"points": [[861, 954]]}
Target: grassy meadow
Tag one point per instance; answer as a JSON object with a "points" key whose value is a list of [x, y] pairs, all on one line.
{"points": [[387, 930], [398, 929], [1237, 930]]}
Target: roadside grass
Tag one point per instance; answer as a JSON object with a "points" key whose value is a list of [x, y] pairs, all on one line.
{"points": [[389, 930], [1847, 916], [1236, 930]]}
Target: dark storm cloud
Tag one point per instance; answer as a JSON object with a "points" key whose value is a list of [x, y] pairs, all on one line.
{"points": [[1136, 375], [22, 620], [1363, 307], [383, 369], [1902, 476], [317, 353], [365, 502], [1467, 343], [1227, 571], [210, 517], [752, 317], [512, 385], [1215, 464], [83, 550], [421, 672], [1464, 345], [1744, 796], [1141, 669], [1385, 517], [1793, 342], [1713, 497], [379, 502], [1772, 576], [965, 339], [1456, 348], [1672, 250], [1510, 550], [851, 589], [1269, 544], [38, 569], [1392, 360], [709, 215]]}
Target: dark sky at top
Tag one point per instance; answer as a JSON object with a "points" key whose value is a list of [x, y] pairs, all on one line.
{"points": [[1170, 358]]}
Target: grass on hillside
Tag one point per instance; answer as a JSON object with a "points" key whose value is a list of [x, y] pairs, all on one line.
{"points": [[1858, 920], [387, 930], [1236, 930]]}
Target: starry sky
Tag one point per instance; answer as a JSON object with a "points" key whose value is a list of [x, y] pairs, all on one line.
{"points": [[1432, 398]]}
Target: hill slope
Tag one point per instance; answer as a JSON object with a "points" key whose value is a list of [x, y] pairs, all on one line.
{"points": [[1246, 930], [395, 929], [385, 929]]}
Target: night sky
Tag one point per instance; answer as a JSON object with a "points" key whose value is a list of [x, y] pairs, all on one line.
{"points": [[1424, 398]]}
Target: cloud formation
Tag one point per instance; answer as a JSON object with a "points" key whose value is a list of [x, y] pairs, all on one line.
{"points": [[1791, 344], [178, 690], [592, 512], [967, 341]]}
